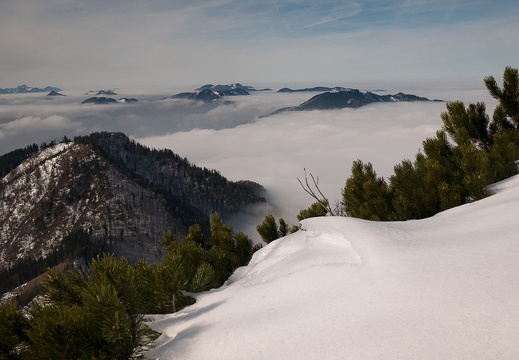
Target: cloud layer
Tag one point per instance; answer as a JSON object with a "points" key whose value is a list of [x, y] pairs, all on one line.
{"points": [[237, 141]]}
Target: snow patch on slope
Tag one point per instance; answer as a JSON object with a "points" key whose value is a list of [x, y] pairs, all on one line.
{"points": [[344, 288]]}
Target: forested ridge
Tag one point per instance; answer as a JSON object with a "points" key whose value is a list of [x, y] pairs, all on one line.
{"points": [[12, 159], [171, 175], [118, 195]]}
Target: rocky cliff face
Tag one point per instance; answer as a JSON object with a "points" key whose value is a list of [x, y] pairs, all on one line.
{"points": [[124, 194]]}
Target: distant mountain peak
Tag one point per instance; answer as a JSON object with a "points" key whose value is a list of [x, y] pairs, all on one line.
{"points": [[55, 93], [127, 100], [228, 87], [350, 98], [99, 100], [314, 89], [208, 95], [22, 89], [106, 92]]}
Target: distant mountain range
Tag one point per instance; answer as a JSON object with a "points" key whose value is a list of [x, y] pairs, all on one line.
{"points": [[106, 100], [206, 96], [224, 88], [22, 89], [209, 95], [99, 100], [351, 98], [55, 93], [313, 89]]}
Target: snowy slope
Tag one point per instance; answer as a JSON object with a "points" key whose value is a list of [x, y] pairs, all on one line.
{"points": [[446, 287]]}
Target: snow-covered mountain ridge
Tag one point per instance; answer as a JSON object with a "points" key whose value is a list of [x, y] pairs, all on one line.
{"points": [[58, 190], [22, 89], [125, 194], [445, 287]]}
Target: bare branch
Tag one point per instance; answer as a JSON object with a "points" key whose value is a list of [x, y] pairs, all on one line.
{"points": [[309, 190]]}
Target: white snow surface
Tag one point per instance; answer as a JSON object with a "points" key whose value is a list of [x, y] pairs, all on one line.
{"points": [[446, 287]]}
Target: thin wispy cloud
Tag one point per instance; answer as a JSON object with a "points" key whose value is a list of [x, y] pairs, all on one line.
{"points": [[71, 44]]}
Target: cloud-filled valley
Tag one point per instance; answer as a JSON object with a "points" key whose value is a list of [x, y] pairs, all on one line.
{"points": [[239, 142]]}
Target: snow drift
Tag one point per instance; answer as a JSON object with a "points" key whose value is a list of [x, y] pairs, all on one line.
{"points": [[445, 287]]}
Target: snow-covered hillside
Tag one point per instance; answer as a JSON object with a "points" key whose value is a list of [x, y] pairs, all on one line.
{"points": [[68, 186], [446, 287]]}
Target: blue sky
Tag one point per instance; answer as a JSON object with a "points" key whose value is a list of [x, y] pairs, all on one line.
{"points": [[75, 44]]}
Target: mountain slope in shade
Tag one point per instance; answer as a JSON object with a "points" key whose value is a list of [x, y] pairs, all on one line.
{"points": [[445, 287], [125, 194], [67, 187]]}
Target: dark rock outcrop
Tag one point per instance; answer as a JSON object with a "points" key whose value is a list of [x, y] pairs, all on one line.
{"points": [[230, 87], [209, 95], [55, 93], [100, 100]]}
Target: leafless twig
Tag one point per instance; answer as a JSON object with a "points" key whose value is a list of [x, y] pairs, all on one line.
{"points": [[321, 199]]}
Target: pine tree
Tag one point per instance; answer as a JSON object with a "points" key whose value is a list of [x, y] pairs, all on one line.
{"points": [[508, 96], [168, 239], [441, 175], [98, 316], [406, 186], [63, 332], [175, 282], [503, 155], [284, 228], [203, 279], [315, 210], [268, 229], [14, 342], [244, 249], [221, 234], [475, 166], [195, 234], [471, 125], [365, 195]]}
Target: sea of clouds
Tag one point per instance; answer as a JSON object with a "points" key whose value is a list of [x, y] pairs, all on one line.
{"points": [[242, 143]]}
